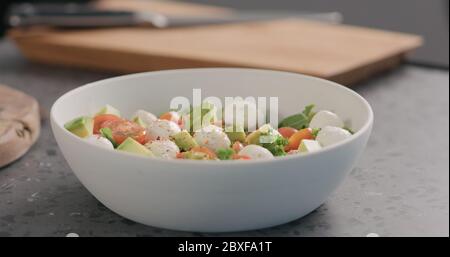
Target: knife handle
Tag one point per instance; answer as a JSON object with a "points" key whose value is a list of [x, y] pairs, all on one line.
{"points": [[75, 19]]}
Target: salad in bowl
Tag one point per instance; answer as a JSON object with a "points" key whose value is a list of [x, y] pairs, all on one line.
{"points": [[171, 135], [149, 161]]}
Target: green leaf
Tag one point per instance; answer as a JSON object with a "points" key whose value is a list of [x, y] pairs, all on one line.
{"points": [[308, 110], [107, 133], [277, 146], [315, 131], [300, 120], [297, 121], [225, 154]]}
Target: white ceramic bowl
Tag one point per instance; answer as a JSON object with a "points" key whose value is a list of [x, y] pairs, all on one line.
{"points": [[211, 196]]}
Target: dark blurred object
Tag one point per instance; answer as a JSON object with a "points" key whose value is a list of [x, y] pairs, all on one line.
{"points": [[6, 4], [72, 15], [429, 19]]}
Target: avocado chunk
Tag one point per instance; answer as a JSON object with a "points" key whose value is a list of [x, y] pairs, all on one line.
{"points": [[265, 134], [184, 140], [308, 146], [139, 121], [108, 109], [269, 138], [132, 146], [107, 133], [253, 138], [235, 134], [81, 126], [195, 156]]}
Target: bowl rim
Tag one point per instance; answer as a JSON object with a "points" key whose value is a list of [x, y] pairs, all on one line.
{"points": [[367, 125]]}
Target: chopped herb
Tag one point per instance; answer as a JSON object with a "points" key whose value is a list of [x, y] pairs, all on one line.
{"points": [[300, 120], [277, 146], [225, 154], [315, 131]]}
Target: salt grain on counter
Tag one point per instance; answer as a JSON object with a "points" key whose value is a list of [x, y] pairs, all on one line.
{"points": [[72, 235], [33, 196]]}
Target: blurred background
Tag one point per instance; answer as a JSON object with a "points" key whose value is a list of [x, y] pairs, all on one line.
{"points": [[430, 19], [427, 18]]}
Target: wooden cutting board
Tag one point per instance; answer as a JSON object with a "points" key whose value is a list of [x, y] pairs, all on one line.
{"points": [[19, 124], [342, 53]]}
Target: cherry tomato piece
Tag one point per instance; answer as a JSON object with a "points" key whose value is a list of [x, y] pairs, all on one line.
{"points": [[297, 137], [201, 149], [122, 129], [100, 119], [237, 146], [287, 132]]}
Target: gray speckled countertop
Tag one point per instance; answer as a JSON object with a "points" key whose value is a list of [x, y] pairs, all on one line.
{"points": [[400, 187]]}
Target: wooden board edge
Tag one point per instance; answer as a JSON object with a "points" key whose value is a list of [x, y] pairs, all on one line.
{"points": [[39, 49], [79, 57], [363, 73], [387, 62], [69, 57]]}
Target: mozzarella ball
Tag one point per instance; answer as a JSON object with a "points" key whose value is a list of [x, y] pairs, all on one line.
{"points": [[145, 116], [210, 128], [325, 118], [256, 152], [212, 137], [331, 135], [100, 141], [165, 149], [162, 129]]}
